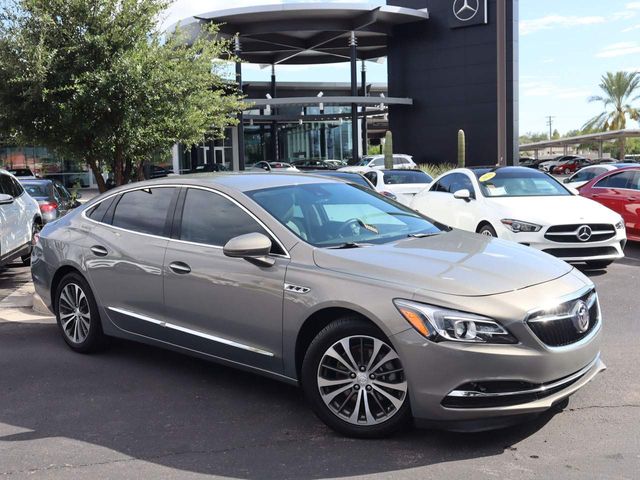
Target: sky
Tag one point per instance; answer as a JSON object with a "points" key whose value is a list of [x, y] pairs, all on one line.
{"points": [[565, 48]]}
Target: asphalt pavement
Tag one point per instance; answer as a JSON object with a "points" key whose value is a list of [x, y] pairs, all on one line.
{"points": [[139, 412]]}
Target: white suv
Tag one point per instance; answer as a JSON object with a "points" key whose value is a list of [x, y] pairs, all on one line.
{"points": [[377, 162], [19, 220]]}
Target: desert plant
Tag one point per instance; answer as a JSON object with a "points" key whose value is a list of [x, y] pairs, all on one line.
{"points": [[388, 150], [435, 170], [462, 149]]}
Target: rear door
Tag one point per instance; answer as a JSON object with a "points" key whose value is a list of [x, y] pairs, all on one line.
{"points": [[10, 228], [631, 213], [613, 191], [223, 306], [125, 246]]}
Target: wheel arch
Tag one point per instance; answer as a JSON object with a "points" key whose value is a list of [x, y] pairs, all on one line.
{"points": [[57, 278], [319, 320], [483, 223]]}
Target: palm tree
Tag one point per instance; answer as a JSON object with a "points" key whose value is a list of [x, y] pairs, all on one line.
{"points": [[617, 98]]}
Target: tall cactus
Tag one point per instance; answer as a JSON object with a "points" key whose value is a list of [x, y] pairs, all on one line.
{"points": [[388, 151], [462, 149]]}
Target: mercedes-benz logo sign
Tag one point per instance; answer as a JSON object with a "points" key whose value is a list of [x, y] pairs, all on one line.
{"points": [[584, 233], [581, 317], [465, 10]]}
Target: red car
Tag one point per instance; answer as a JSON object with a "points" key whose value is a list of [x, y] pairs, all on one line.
{"points": [[570, 166], [620, 191]]}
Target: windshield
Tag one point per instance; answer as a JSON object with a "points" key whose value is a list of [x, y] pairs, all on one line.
{"points": [[36, 189], [334, 214], [364, 162], [396, 177], [518, 182]]}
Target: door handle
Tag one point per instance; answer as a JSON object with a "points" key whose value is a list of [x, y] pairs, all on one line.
{"points": [[180, 268], [99, 250]]}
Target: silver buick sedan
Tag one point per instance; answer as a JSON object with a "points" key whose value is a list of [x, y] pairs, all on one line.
{"points": [[380, 314]]}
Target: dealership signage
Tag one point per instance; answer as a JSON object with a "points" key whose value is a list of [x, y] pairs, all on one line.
{"points": [[466, 13]]}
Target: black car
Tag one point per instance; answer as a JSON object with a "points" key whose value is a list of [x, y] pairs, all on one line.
{"points": [[314, 165], [352, 177]]}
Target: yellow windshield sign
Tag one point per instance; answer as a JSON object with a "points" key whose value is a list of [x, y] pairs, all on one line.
{"points": [[487, 176]]}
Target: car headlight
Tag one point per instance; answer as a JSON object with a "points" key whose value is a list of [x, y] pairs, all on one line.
{"points": [[517, 226], [440, 324], [620, 225]]}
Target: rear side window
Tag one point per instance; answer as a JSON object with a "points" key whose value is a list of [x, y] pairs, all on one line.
{"points": [[212, 219], [617, 180], [452, 183], [97, 212], [9, 186], [144, 210]]}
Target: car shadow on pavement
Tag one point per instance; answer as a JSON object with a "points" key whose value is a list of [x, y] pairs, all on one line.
{"points": [[184, 413]]}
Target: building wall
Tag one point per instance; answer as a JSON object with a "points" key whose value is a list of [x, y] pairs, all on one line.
{"points": [[452, 76]]}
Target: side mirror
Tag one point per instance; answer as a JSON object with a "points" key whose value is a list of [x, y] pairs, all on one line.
{"points": [[253, 247], [463, 194], [5, 199], [567, 180]]}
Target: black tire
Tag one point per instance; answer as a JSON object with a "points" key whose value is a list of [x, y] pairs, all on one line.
{"points": [[35, 228], [336, 331], [487, 230], [599, 264], [93, 339]]}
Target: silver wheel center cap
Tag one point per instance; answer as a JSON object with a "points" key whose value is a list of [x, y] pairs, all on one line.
{"points": [[362, 378]]}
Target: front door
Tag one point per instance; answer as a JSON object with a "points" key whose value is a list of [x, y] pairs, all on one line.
{"points": [[218, 155], [15, 227], [225, 307], [125, 247]]}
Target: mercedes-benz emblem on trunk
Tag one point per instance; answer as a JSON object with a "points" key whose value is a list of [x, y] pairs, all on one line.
{"points": [[581, 317], [584, 233], [465, 10]]}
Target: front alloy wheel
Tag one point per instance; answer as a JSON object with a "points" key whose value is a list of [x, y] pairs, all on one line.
{"points": [[355, 381]]}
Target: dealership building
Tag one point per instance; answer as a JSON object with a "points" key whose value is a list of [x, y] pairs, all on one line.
{"points": [[451, 65]]}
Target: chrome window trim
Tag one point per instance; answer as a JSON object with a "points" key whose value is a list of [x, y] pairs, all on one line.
{"points": [[162, 237], [543, 388], [189, 331]]}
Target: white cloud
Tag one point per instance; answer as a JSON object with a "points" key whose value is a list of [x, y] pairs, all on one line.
{"points": [[545, 88], [619, 49], [552, 21], [632, 28], [633, 6]]}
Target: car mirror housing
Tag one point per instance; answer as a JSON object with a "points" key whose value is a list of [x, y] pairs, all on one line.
{"points": [[253, 247], [5, 199], [566, 180], [463, 194]]}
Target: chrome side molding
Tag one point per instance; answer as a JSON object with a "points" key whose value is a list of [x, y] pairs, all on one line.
{"points": [[189, 331]]}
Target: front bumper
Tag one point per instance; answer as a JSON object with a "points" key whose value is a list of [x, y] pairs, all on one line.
{"points": [[436, 370], [610, 249]]}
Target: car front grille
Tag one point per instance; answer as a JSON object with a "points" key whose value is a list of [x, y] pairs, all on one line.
{"points": [[581, 252], [570, 233], [560, 327]]}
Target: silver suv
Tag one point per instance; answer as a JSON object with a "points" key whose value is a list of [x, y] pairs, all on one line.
{"points": [[380, 314]]}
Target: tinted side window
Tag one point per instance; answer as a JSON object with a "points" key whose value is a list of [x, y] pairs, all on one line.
{"points": [[5, 185], [618, 180], [212, 219], [17, 188], [378, 162], [144, 210], [459, 181], [97, 212], [372, 177], [443, 184]]}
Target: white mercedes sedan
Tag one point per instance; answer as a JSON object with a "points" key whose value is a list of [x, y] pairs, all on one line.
{"points": [[401, 185], [525, 206]]}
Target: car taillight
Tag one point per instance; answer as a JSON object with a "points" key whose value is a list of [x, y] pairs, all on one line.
{"points": [[46, 207], [389, 195]]}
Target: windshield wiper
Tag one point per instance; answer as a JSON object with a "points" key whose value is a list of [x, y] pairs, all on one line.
{"points": [[351, 245], [423, 235]]}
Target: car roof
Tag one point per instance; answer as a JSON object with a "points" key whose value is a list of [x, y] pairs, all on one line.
{"points": [[35, 180], [239, 181]]}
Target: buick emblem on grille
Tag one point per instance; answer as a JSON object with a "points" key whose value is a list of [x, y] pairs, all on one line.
{"points": [[584, 233], [581, 317]]}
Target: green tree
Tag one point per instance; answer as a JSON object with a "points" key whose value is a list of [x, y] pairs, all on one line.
{"points": [[618, 95], [97, 81]]}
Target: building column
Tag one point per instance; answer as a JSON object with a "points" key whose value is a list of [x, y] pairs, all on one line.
{"points": [[274, 125], [353, 47], [175, 158], [365, 139], [240, 128], [600, 149]]}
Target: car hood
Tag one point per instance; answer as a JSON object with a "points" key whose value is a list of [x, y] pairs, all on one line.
{"points": [[559, 210], [454, 263]]}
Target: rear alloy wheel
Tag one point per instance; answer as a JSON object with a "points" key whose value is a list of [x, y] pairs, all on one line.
{"points": [[567, 171], [355, 380], [35, 230], [77, 314], [487, 230]]}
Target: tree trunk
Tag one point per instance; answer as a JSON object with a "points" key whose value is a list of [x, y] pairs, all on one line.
{"points": [[118, 167], [127, 170], [95, 169], [623, 145]]}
